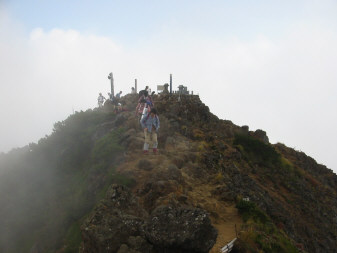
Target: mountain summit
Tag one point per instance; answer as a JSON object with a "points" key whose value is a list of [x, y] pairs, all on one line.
{"points": [[88, 187]]}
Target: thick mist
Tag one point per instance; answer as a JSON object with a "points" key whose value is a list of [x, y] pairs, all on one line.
{"points": [[283, 84]]}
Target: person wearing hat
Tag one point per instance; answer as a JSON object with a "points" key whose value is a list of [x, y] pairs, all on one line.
{"points": [[150, 124]]}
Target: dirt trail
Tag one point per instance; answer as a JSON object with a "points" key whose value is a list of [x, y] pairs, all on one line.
{"points": [[224, 215], [226, 229]]}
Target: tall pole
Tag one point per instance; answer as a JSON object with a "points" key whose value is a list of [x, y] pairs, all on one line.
{"points": [[170, 83], [111, 77], [136, 85]]}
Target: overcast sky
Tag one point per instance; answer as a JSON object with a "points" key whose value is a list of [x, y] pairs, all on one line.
{"points": [[267, 64]]}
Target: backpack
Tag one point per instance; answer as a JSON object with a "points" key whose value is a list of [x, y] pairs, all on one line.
{"points": [[143, 92]]}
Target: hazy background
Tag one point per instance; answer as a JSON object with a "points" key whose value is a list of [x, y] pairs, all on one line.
{"points": [[268, 65]]}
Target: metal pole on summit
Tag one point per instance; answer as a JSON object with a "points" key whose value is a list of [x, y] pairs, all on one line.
{"points": [[136, 85], [170, 83], [111, 77]]}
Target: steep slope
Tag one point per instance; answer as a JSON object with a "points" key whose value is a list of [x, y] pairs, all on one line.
{"points": [[46, 188], [209, 173], [221, 163]]}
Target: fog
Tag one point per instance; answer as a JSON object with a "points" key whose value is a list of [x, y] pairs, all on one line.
{"points": [[285, 85]]}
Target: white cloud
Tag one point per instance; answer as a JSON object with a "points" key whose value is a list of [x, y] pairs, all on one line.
{"points": [[285, 87]]}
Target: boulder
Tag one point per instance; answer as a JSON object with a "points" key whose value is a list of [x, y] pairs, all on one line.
{"points": [[140, 244], [180, 229], [261, 135], [125, 249], [113, 221]]}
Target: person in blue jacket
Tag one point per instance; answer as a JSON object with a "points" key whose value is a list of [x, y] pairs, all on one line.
{"points": [[150, 124]]}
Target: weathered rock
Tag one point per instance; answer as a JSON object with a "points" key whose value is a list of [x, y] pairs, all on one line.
{"points": [[261, 135], [244, 129], [140, 244], [120, 198], [180, 229], [125, 249], [113, 221], [154, 189]]}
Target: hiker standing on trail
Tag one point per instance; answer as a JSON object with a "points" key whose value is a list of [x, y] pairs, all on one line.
{"points": [[118, 95], [100, 100], [150, 124]]}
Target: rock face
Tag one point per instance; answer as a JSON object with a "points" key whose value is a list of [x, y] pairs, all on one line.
{"points": [[261, 135], [120, 224], [180, 229], [113, 222]]}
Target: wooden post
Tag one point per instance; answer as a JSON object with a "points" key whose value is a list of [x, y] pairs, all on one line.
{"points": [[136, 85], [170, 83], [111, 77]]}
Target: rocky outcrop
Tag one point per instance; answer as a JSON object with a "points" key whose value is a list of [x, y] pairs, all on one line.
{"points": [[199, 148], [180, 229], [113, 222], [120, 224], [261, 135]]}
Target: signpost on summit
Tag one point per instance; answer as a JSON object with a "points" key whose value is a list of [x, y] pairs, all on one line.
{"points": [[111, 77]]}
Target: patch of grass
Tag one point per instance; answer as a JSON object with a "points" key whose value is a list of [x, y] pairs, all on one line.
{"points": [[106, 147], [73, 238], [219, 177], [258, 152], [123, 180], [249, 210], [259, 233], [198, 134]]}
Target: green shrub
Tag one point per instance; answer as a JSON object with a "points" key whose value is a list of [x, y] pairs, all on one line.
{"points": [[257, 151], [106, 147], [259, 233], [249, 210]]}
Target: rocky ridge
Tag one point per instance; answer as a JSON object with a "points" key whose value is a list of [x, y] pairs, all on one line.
{"points": [[203, 169]]}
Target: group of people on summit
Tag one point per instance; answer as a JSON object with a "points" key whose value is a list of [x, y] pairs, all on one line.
{"points": [[145, 112], [101, 98]]}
